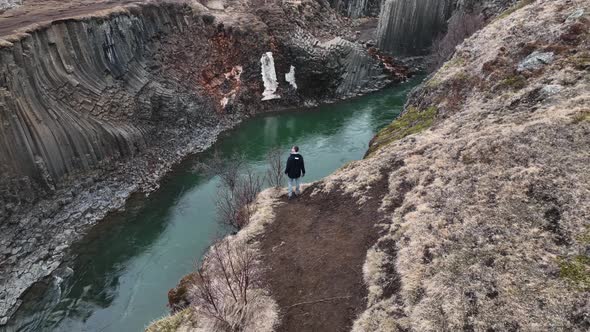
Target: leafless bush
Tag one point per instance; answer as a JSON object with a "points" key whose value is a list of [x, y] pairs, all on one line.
{"points": [[228, 169], [225, 283], [228, 210], [461, 25], [234, 204], [248, 186], [275, 168]]}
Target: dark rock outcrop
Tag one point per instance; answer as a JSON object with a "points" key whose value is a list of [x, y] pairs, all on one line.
{"points": [[357, 8]]}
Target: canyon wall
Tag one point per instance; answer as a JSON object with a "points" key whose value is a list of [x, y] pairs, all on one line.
{"points": [[95, 107], [408, 26], [487, 200], [71, 91], [81, 93]]}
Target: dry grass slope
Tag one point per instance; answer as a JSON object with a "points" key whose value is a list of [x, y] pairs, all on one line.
{"points": [[488, 213], [487, 176]]}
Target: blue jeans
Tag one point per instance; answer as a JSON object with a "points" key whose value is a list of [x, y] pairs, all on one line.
{"points": [[294, 183]]}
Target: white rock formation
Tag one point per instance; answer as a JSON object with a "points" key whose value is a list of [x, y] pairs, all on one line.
{"points": [[290, 77], [269, 77]]}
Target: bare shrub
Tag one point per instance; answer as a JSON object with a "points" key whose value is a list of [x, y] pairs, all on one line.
{"points": [[460, 26], [228, 210], [248, 186], [227, 169], [275, 168], [234, 204], [225, 285]]}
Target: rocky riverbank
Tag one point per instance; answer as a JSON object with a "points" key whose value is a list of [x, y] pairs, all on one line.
{"points": [[99, 105]]}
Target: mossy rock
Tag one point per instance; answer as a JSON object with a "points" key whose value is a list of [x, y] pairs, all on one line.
{"points": [[580, 61], [584, 238], [456, 61], [433, 82], [171, 323], [178, 296], [411, 122], [516, 82], [576, 271], [583, 116]]}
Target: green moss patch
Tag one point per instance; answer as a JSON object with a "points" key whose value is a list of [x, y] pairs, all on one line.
{"points": [[584, 238], [583, 116], [576, 271], [170, 323], [456, 61], [515, 82], [411, 122], [433, 82], [580, 61]]}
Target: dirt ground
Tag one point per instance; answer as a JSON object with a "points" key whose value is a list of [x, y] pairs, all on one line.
{"points": [[315, 252]]}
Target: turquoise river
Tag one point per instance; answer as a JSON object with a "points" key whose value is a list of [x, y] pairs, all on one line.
{"points": [[124, 266]]}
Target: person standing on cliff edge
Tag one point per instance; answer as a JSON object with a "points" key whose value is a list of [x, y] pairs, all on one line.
{"points": [[294, 170]]}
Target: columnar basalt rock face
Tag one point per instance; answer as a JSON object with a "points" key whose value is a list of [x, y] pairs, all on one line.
{"points": [[57, 86], [408, 26], [80, 93]]}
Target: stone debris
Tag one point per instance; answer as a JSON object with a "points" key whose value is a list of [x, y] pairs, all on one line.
{"points": [[579, 12], [551, 89], [536, 60], [9, 4]]}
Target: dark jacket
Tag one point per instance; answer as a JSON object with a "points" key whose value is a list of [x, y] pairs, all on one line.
{"points": [[295, 166]]}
